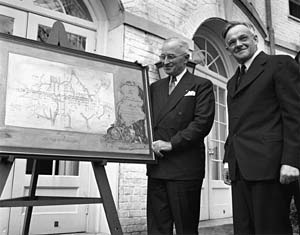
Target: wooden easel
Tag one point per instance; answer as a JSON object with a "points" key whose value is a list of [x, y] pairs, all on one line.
{"points": [[33, 200], [58, 36]]}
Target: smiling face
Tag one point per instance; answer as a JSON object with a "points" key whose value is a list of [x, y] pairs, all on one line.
{"points": [[174, 57], [241, 43]]}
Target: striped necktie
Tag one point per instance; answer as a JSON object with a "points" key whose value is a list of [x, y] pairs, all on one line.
{"points": [[172, 84]]}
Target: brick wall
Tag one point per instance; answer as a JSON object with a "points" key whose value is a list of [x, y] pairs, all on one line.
{"points": [[142, 47], [132, 198], [286, 29], [176, 15]]}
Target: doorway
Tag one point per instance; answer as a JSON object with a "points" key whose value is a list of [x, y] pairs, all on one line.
{"points": [[216, 196]]}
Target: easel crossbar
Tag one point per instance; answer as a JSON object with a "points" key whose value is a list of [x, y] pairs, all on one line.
{"points": [[47, 201]]}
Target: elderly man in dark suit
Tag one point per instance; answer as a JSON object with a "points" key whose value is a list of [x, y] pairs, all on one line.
{"points": [[183, 113], [262, 148]]}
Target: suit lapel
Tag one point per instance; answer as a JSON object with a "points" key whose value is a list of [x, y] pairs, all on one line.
{"points": [[162, 95], [256, 68], [178, 93], [232, 84]]}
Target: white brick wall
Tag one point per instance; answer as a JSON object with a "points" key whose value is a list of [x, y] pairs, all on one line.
{"points": [[132, 198], [286, 29], [142, 47], [174, 14]]}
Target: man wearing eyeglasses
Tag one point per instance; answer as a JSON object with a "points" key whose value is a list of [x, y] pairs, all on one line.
{"points": [[263, 145], [183, 113]]}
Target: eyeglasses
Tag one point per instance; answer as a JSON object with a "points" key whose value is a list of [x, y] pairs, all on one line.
{"points": [[169, 57]]}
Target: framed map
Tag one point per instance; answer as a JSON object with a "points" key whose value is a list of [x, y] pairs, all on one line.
{"points": [[61, 103]]}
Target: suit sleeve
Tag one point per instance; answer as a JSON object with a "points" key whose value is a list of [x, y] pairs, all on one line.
{"points": [[287, 85], [203, 119]]}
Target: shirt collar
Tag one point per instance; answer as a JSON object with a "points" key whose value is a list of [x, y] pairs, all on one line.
{"points": [[249, 62], [179, 76]]}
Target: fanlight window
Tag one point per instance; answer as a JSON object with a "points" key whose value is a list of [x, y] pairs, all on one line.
{"points": [[74, 8], [208, 56]]}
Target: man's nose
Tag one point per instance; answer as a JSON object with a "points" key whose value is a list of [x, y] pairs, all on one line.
{"points": [[166, 60], [238, 43]]}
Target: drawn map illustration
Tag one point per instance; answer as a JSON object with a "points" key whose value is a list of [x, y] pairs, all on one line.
{"points": [[56, 96], [130, 125]]}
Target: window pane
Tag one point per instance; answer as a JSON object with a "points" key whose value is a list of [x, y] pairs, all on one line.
{"points": [[221, 67], [214, 155], [76, 41], [222, 96], [49, 4], [6, 24], [45, 167], [223, 132], [71, 7], [216, 113], [294, 8], [214, 68], [214, 131], [67, 168], [215, 170], [61, 167], [222, 151], [222, 113], [76, 8], [212, 51], [43, 33]]}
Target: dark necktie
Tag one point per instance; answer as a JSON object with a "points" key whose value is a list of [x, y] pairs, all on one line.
{"points": [[172, 84], [241, 74]]}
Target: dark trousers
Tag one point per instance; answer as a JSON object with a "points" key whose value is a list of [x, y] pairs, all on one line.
{"points": [[172, 202], [260, 207], [294, 190]]}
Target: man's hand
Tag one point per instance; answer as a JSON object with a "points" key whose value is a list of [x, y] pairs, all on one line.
{"points": [[288, 174], [226, 177], [161, 145]]}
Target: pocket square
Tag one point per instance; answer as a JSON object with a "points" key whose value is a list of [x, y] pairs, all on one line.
{"points": [[190, 93]]}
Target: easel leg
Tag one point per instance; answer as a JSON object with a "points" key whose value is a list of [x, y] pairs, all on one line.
{"points": [[5, 166], [32, 190], [108, 202]]}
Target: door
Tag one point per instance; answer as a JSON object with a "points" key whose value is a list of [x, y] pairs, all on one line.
{"points": [[216, 196], [66, 179], [60, 178], [219, 194]]}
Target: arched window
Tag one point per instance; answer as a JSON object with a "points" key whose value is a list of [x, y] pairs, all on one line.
{"points": [[75, 15], [207, 55], [74, 8]]}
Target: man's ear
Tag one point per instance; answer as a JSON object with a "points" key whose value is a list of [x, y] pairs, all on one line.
{"points": [[255, 37]]}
